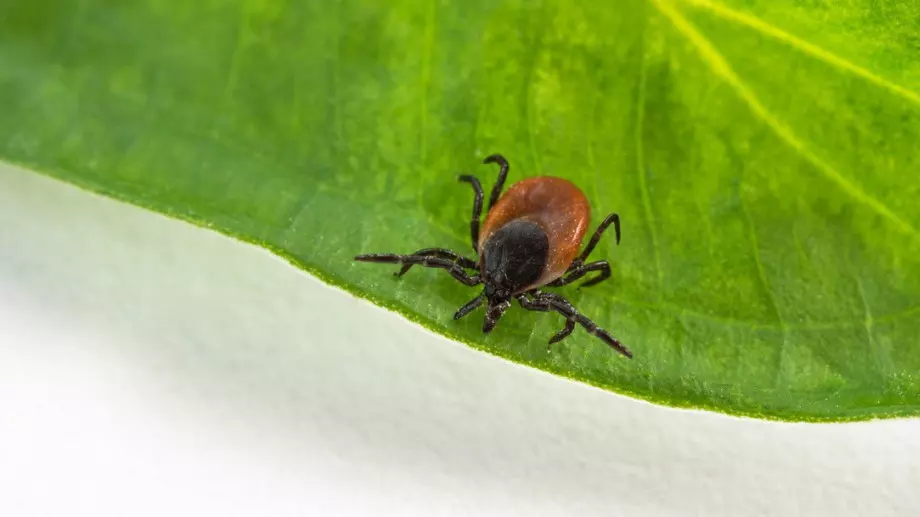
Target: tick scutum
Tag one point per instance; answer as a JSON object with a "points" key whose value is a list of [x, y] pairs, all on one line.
{"points": [[513, 258]]}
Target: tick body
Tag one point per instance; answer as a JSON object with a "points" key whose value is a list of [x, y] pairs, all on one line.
{"points": [[529, 240]]}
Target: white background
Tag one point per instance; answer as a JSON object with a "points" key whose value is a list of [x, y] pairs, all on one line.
{"points": [[148, 367]]}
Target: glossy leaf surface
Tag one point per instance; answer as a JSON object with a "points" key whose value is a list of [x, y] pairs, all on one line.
{"points": [[761, 154]]}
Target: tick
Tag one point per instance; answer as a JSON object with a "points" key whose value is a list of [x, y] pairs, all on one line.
{"points": [[529, 240]]}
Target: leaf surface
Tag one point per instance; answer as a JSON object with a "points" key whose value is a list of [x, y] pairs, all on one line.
{"points": [[761, 154]]}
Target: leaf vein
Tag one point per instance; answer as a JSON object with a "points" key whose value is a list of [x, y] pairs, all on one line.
{"points": [[425, 81], [881, 355], [531, 104], [768, 288], [755, 23], [234, 72], [721, 68], [641, 171]]}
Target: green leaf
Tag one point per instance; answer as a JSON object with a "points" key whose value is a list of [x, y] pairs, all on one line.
{"points": [[761, 154]]}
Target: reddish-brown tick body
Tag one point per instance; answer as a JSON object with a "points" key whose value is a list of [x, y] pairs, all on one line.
{"points": [[555, 206], [530, 239]]}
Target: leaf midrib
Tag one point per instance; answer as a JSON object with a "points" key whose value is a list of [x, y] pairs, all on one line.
{"points": [[720, 67], [755, 23]]}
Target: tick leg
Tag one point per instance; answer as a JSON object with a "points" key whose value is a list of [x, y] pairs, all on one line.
{"points": [[564, 333], [601, 266], [477, 209], [611, 219], [453, 268], [572, 316], [442, 253], [469, 307], [542, 304], [532, 305], [502, 174]]}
